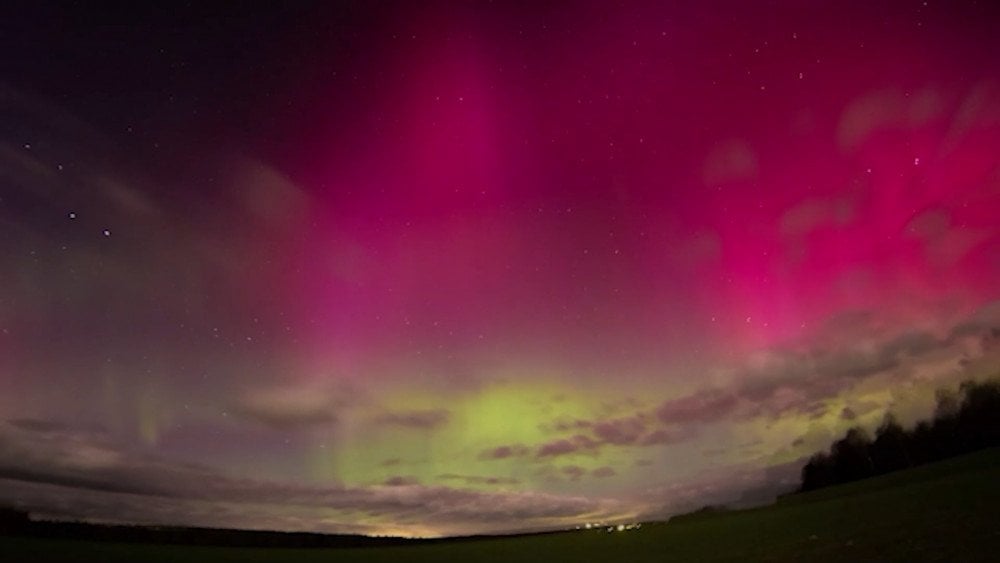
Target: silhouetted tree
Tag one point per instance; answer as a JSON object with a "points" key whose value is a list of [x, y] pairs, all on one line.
{"points": [[944, 429], [889, 451], [978, 418], [923, 443], [963, 422], [818, 472], [851, 458]]}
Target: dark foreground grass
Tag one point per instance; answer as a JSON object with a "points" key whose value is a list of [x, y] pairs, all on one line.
{"points": [[948, 511]]}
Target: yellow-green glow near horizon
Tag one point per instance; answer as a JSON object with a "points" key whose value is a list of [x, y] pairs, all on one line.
{"points": [[510, 413]]}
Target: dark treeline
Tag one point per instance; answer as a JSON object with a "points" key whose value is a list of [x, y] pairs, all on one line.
{"points": [[963, 422], [15, 522]]}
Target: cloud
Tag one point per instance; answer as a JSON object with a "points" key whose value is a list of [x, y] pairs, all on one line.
{"points": [[620, 431], [401, 481], [632, 431], [776, 384], [800, 381], [604, 472], [51, 470], [703, 406], [984, 324], [504, 452], [660, 437], [52, 453], [421, 419], [34, 425], [625, 431], [565, 446], [565, 424], [573, 472], [860, 409], [479, 479], [287, 407], [790, 382], [885, 109], [910, 343]]}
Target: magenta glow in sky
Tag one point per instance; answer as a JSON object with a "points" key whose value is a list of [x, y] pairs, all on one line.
{"points": [[454, 269]]}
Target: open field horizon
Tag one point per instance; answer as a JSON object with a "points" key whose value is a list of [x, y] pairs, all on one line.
{"points": [[944, 511]]}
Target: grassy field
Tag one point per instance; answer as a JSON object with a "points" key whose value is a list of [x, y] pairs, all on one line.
{"points": [[948, 511]]}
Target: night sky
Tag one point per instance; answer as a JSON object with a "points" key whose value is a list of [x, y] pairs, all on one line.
{"points": [[446, 268]]}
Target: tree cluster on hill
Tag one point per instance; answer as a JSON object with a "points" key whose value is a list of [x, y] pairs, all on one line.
{"points": [[963, 422]]}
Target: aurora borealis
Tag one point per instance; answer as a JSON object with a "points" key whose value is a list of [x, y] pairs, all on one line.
{"points": [[449, 268]]}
